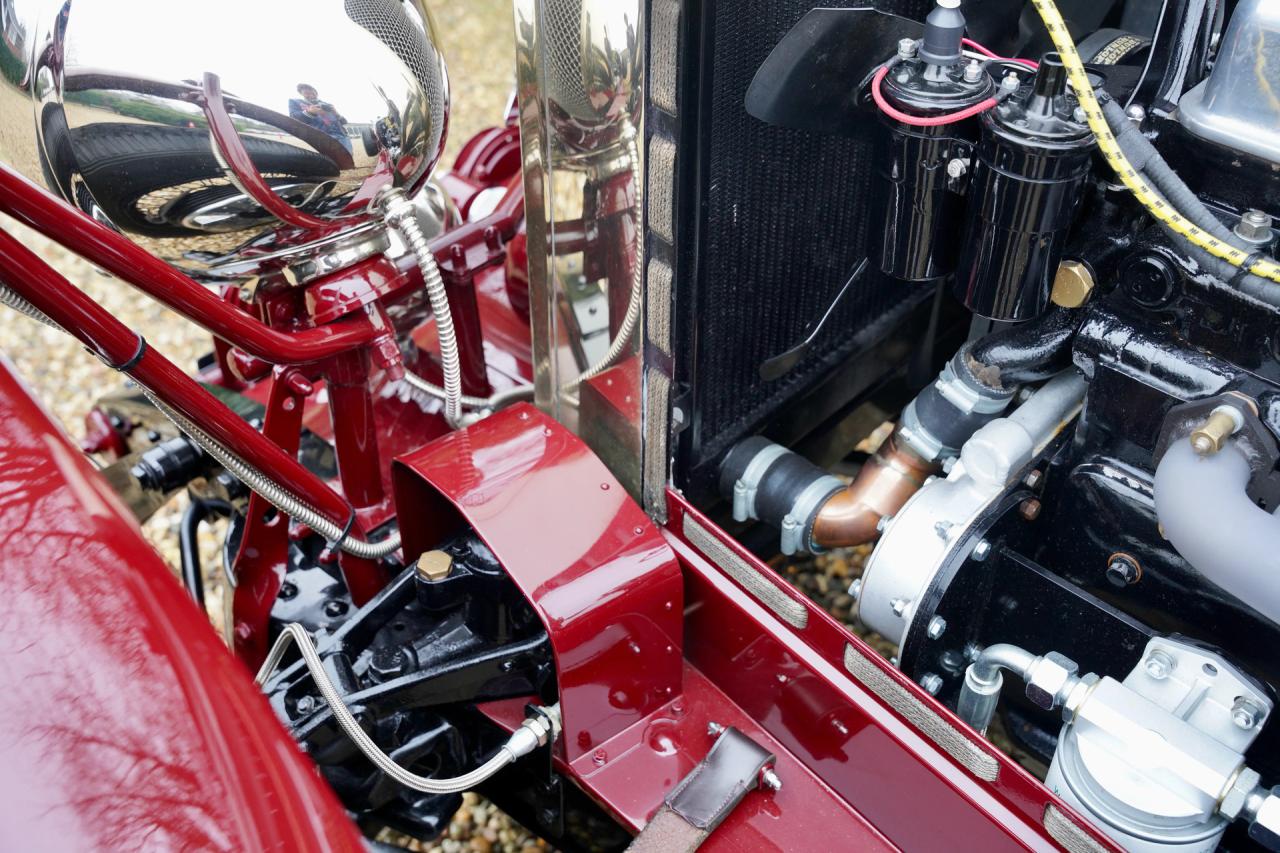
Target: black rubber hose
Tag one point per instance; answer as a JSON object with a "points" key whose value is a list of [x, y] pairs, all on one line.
{"points": [[197, 512], [1146, 159], [1028, 352]]}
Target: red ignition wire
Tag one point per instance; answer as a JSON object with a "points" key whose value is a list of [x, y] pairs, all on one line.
{"points": [[922, 121], [991, 54]]}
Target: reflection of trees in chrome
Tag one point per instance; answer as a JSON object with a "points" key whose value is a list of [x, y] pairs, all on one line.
{"points": [[78, 632]]}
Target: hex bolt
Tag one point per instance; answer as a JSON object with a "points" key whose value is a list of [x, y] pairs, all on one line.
{"points": [[1136, 113], [1210, 436], [957, 168], [855, 588], [906, 48], [1158, 665], [1254, 227], [333, 608], [973, 72], [288, 590], [1010, 82], [770, 780], [1029, 509], [434, 566], [1245, 713], [714, 729], [943, 529], [1034, 477], [899, 606], [305, 704], [937, 627], [1080, 115], [1123, 570], [931, 682], [981, 551]]}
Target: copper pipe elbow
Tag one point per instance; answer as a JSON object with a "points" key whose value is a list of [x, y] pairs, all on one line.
{"points": [[852, 515]]}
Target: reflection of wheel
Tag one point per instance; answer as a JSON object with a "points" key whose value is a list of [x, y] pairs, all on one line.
{"points": [[370, 140], [125, 165]]}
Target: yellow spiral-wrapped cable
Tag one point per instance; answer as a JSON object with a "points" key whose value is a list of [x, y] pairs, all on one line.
{"points": [[1152, 200]]}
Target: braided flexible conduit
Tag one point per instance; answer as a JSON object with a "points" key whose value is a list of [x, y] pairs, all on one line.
{"points": [[616, 347], [400, 215], [531, 734], [275, 494]]}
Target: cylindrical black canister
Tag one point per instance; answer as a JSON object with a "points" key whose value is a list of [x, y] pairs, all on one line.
{"points": [[921, 171], [1028, 174]]}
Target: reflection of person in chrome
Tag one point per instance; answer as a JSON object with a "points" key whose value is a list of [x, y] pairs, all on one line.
{"points": [[321, 115]]}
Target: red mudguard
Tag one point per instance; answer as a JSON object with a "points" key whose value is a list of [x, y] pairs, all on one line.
{"points": [[125, 723]]}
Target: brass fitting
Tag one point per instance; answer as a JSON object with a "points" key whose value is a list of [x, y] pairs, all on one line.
{"points": [[1071, 285], [1222, 423], [434, 566]]}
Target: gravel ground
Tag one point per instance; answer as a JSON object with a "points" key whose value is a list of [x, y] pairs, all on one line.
{"points": [[476, 36]]}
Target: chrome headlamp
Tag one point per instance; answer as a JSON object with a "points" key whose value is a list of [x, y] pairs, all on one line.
{"points": [[232, 139]]}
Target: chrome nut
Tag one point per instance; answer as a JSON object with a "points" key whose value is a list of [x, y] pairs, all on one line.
{"points": [[1049, 677], [1265, 828], [1233, 801]]}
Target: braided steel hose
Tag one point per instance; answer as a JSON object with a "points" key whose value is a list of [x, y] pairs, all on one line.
{"points": [[632, 318], [17, 303], [275, 494], [533, 732], [399, 214], [616, 347]]}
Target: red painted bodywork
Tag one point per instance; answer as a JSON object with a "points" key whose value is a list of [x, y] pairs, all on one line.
{"points": [[595, 567], [652, 640], [124, 722]]}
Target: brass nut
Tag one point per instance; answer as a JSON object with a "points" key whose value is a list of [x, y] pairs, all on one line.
{"points": [[1212, 434], [434, 566], [1072, 285]]}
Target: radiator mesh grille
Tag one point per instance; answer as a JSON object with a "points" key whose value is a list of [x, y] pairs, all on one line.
{"points": [[786, 221]]}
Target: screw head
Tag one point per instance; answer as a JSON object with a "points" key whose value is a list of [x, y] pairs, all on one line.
{"points": [[1158, 665], [305, 704], [1245, 713], [906, 48], [956, 169], [714, 729], [770, 780], [1136, 113], [288, 590], [855, 588], [931, 682], [333, 608], [937, 627]]}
